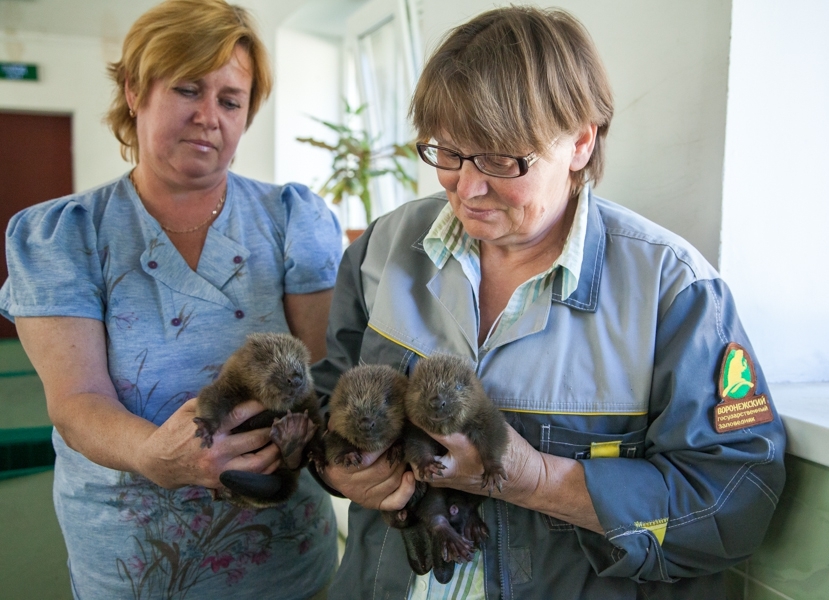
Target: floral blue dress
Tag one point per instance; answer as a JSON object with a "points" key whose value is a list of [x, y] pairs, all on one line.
{"points": [[100, 255]]}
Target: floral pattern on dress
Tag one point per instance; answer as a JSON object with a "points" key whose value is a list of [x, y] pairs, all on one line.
{"points": [[183, 538], [137, 402]]}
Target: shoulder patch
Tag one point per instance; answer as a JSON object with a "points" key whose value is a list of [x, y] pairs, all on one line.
{"points": [[739, 406]]}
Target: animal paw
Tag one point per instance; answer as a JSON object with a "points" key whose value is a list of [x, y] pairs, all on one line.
{"points": [[453, 546], [291, 433], [205, 431], [493, 478], [458, 549], [476, 530], [427, 469], [395, 453], [351, 459]]}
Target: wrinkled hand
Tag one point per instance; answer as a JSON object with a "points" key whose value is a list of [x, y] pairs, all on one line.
{"points": [[464, 469], [541, 482], [373, 483], [173, 457]]}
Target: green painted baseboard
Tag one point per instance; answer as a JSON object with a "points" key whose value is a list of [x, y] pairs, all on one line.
{"points": [[34, 564]]}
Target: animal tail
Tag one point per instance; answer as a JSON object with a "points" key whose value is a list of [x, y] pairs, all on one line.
{"points": [[418, 548], [273, 488]]}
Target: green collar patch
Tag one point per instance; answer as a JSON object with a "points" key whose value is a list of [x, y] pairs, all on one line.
{"points": [[739, 406]]}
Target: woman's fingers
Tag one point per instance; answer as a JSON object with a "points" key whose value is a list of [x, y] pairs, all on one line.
{"points": [[373, 483], [257, 461], [399, 497], [241, 413]]}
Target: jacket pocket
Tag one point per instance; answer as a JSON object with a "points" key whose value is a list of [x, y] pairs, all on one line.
{"points": [[570, 443], [581, 445]]}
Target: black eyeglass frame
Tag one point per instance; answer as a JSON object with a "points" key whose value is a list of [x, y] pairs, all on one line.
{"points": [[524, 162]]}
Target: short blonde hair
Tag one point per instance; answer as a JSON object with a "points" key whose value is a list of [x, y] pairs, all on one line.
{"points": [[183, 39], [512, 80]]}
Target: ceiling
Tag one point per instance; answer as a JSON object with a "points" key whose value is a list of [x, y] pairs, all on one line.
{"points": [[112, 18]]}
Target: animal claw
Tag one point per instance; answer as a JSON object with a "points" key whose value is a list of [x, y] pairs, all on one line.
{"points": [[291, 433], [492, 478], [351, 459], [430, 469], [204, 431]]}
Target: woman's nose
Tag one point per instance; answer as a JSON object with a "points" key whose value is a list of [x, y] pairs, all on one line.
{"points": [[207, 112], [471, 182]]}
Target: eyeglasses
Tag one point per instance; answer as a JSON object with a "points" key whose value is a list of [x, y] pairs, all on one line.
{"points": [[496, 165]]}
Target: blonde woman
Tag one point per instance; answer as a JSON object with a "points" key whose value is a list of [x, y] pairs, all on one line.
{"points": [[130, 296]]}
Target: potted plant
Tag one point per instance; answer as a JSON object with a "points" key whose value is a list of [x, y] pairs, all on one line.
{"points": [[356, 162]]}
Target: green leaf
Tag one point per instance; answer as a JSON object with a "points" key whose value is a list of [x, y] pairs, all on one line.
{"points": [[354, 160], [166, 551], [317, 143]]}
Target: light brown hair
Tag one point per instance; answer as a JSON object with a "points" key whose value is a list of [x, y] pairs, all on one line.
{"points": [[178, 40], [512, 80]]}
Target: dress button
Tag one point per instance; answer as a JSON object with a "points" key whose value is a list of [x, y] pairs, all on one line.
{"points": [[239, 314], [237, 259], [176, 322], [152, 264]]}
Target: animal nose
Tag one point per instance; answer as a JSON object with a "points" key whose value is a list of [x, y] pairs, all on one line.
{"points": [[295, 381], [438, 403], [367, 424]]}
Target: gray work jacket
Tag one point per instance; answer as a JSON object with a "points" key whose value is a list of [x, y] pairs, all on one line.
{"points": [[622, 375]]}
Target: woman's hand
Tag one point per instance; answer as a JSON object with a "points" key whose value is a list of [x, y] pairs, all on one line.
{"points": [[374, 483], [464, 468], [70, 357], [542, 482], [172, 455]]}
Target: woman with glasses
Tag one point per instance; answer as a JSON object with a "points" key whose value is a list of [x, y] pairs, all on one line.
{"points": [[644, 454]]}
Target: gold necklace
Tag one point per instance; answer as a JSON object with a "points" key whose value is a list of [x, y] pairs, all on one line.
{"points": [[212, 216]]}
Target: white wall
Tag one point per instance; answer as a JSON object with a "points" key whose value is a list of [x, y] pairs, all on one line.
{"points": [[308, 72], [73, 77], [256, 155], [73, 81], [775, 213], [668, 66]]}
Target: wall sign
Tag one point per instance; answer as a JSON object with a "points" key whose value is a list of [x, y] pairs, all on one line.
{"points": [[18, 71]]}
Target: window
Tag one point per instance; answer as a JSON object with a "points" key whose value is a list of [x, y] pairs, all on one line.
{"points": [[383, 42]]}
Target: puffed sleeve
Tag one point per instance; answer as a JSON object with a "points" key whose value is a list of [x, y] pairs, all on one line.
{"points": [[54, 267], [313, 241], [700, 500]]}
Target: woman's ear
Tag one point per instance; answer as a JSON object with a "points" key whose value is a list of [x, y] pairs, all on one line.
{"points": [[130, 95], [583, 147]]}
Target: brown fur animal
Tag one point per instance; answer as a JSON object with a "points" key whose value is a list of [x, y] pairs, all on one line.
{"points": [[443, 524], [273, 369], [366, 414], [445, 397]]}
